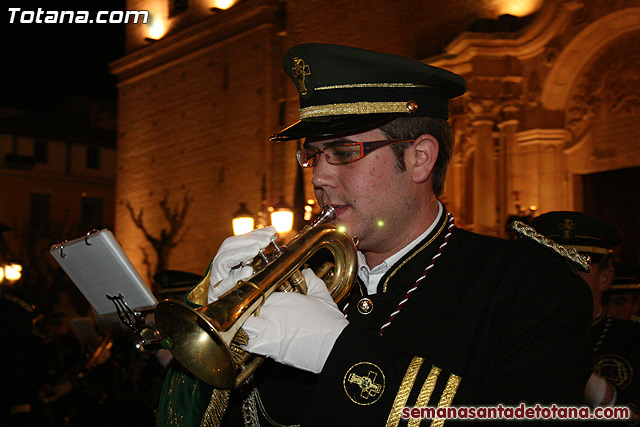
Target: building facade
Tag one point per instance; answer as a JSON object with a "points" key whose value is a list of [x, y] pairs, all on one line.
{"points": [[549, 122], [57, 180]]}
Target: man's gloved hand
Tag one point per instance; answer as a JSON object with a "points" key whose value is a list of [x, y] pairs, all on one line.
{"points": [[233, 260], [599, 392], [295, 329]]}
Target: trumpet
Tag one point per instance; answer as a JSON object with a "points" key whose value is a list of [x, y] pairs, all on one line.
{"points": [[201, 339]]}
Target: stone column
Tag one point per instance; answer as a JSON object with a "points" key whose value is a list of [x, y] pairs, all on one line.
{"points": [[484, 178], [544, 173], [508, 167]]}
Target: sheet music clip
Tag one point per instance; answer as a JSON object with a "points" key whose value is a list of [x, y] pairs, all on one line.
{"points": [[149, 337]]}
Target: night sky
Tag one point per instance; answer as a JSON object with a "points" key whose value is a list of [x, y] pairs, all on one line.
{"points": [[45, 64]]}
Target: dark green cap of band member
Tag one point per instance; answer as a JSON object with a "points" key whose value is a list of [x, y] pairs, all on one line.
{"points": [[345, 90], [626, 280], [580, 231]]}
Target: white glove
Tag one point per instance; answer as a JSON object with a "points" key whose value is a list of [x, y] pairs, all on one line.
{"points": [[233, 260], [600, 393], [295, 329]]}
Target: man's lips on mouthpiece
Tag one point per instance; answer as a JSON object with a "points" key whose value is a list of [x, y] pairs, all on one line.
{"points": [[340, 208]]}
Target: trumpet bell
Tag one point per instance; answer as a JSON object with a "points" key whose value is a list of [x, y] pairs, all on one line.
{"points": [[200, 347], [202, 338]]}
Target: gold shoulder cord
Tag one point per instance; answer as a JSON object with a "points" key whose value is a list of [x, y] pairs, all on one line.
{"points": [[569, 254], [386, 282]]}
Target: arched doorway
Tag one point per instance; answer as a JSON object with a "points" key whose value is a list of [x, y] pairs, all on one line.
{"points": [[615, 196]]}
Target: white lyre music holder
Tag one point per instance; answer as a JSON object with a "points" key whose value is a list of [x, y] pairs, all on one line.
{"points": [[104, 274]]}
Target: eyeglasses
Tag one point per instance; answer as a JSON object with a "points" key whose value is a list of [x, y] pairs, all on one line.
{"points": [[339, 154]]}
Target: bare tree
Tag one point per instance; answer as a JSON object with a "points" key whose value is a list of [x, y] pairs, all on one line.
{"points": [[169, 237]]}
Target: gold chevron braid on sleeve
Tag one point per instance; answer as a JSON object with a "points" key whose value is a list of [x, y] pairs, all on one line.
{"points": [[403, 393], [572, 256], [447, 397], [425, 393]]}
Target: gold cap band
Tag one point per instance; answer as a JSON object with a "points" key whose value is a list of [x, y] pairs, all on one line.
{"points": [[590, 249], [622, 287], [356, 108]]}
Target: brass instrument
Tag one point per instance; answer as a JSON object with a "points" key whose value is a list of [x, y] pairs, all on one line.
{"points": [[200, 338]]}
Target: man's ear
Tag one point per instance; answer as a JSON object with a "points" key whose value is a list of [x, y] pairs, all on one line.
{"points": [[424, 152]]}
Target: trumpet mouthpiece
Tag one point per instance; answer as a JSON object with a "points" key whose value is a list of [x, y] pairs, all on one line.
{"points": [[327, 214]]}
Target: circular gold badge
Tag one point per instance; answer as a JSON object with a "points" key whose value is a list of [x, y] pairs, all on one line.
{"points": [[615, 369], [364, 383]]}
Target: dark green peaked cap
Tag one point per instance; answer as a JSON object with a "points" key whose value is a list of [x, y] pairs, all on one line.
{"points": [[626, 279], [345, 90], [580, 231]]}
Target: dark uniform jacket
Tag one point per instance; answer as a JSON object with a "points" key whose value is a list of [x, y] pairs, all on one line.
{"points": [[617, 360], [493, 321]]}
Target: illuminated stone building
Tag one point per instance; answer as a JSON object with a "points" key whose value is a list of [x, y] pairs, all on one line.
{"points": [[57, 175], [550, 120]]}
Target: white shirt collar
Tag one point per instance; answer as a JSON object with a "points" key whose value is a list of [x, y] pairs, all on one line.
{"points": [[371, 276]]}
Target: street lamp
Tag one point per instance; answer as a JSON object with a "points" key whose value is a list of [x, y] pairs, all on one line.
{"points": [[282, 217], [10, 272], [242, 221]]}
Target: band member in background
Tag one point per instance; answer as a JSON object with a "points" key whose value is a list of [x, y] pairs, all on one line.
{"points": [[439, 316], [617, 353], [622, 300]]}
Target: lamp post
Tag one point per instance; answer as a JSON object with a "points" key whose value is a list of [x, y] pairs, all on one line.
{"points": [[10, 272], [281, 217], [242, 221]]}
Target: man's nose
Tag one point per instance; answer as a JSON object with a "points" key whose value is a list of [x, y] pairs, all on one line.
{"points": [[323, 173]]}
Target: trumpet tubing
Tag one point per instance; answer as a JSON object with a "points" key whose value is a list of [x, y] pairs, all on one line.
{"points": [[202, 337]]}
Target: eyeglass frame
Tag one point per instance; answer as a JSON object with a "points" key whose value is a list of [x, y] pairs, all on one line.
{"points": [[366, 148]]}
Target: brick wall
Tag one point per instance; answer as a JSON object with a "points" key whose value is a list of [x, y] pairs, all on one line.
{"points": [[198, 127], [183, 128]]}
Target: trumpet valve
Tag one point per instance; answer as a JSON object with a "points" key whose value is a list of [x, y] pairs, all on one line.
{"points": [[297, 282]]}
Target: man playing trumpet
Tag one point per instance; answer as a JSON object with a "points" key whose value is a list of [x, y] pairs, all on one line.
{"points": [[438, 316]]}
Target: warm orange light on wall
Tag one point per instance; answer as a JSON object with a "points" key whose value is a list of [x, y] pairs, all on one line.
{"points": [[519, 7], [157, 27], [223, 4]]}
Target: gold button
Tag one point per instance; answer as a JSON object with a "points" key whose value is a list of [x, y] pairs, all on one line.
{"points": [[412, 106], [365, 306]]}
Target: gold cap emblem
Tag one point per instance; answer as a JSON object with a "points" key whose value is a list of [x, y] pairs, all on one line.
{"points": [[300, 70]]}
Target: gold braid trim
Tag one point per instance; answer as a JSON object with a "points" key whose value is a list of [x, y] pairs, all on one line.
{"points": [[393, 273], [403, 393], [425, 393], [374, 85], [220, 398], [447, 397], [216, 409], [592, 249], [570, 255], [354, 108]]}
